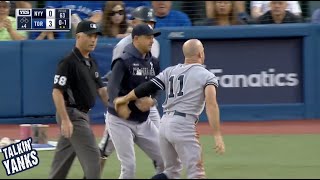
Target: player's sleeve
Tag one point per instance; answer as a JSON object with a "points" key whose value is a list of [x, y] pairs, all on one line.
{"points": [[152, 86], [116, 52], [62, 76], [146, 89], [157, 71], [118, 49], [211, 80], [155, 49], [160, 79]]}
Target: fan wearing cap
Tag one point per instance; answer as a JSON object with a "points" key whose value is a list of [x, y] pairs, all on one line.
{"points": [[76, 84], [140, 15], [134, 67], [8, 24]]}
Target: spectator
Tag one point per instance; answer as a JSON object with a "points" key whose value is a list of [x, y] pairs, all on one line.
{"points": [[18, 5], [259, 8], [239, 6], [278, 14], [131, 5], [224, 13], [8, 24], [114, 20], [167, 17]]}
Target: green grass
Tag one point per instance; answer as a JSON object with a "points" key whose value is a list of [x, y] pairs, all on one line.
{"points": [[247, 156]]}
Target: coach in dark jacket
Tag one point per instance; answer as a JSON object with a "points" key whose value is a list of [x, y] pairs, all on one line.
{"points": [[135, 66]]}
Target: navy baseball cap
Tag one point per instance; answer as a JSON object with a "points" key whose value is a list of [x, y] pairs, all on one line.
{"points": [[88, 27], [144, 29]]}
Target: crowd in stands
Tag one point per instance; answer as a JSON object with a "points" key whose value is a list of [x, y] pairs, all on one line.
{"points": [[115, 19]]}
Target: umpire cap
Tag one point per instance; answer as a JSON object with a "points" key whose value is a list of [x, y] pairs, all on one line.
{"points": [[88, 27], [144, 13]]}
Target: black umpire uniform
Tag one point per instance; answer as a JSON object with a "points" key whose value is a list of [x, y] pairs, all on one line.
{"points": [[78, 78]]}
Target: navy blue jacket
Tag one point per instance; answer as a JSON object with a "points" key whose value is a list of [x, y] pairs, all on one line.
{"points": [[129, 71]]}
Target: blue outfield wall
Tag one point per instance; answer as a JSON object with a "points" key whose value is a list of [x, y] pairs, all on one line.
{"points": [[266, 72]]}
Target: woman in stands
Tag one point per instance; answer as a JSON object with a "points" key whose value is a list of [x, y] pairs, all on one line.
{"points": [[114, 21], [224, 13]]}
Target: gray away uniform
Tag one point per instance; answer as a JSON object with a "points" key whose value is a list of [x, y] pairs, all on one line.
{"points": [[184, 86]]}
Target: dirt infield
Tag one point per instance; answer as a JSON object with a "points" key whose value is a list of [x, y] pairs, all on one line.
{"points": [[264, 127]]}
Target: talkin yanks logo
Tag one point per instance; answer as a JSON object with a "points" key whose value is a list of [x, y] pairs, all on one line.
{"points": [[19, 156], [269, 78]]}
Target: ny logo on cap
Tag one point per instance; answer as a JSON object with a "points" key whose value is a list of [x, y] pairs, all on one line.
{"points": [[150, 13], [150, 26], [93, 26]]}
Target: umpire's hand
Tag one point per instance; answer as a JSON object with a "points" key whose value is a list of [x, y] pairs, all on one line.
{"points": [[66, 128]]}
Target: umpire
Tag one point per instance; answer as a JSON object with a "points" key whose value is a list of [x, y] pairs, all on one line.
{"points": [[76, 85]]}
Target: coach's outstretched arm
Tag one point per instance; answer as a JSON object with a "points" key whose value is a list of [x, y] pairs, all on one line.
{"points": [[213, 114]]}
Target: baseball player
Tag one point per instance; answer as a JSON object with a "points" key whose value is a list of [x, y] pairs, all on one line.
{"points": [[189, 87], [76, 85], [141, 15]]}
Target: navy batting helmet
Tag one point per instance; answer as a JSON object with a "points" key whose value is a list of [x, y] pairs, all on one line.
{"points": [[144, 13]]}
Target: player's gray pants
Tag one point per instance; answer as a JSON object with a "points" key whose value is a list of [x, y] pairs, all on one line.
{"points": [[124, 134], [179, 139], [106, 146], [81, 144]]}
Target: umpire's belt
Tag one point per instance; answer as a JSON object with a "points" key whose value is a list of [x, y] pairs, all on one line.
{"points": [[177, 113], [85, 110]]}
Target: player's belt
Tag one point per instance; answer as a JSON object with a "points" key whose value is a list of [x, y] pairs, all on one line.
{"points": [[178, 113]]}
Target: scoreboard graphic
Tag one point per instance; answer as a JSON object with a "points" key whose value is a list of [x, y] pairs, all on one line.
{"points": [[43, 19]]}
